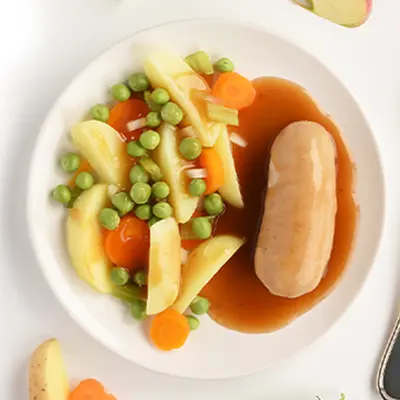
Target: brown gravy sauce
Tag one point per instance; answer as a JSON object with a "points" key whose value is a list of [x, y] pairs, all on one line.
{"points": [[239, 301]]}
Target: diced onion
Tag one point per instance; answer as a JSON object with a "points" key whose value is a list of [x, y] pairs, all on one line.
{"points": [[188, 131], [186, 166], [213, 99], [196, 173], [236, 139], [112, 189], [136, 124], [184, 255]]}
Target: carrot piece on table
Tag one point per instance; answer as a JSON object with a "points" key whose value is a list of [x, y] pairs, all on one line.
{"points": [[124, 112], [211, 161], [128, 245], [84, 167], [89, 389], [169, 330], [234, 90]]}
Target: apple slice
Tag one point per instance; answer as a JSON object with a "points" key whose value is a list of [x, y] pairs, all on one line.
{"points": [[230, 191], [85, 239], [349, 13], [105, 151], [164, 266], [171, 164], [47, 375], [171, 72], [202, 264]]}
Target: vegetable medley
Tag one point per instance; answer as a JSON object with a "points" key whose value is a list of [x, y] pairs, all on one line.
{"points": [[152, 173]]}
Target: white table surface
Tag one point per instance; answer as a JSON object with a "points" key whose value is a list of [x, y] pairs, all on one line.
{"points": [[44, 43]]}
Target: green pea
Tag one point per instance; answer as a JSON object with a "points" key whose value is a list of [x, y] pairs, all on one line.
{"points": [[197, 187], [213, 204], [171, 113], [120, 92], [140, 278], [140, 192], [162, 210], [150, 103], [138, 175], [149, 139], [193, 322], [135, 149], [199, 306], [70, 162], [138, 309], [84, 180], [109, 218], [143, 212], [160, 190], [138, 82], [202, 227], [62, 194], [153, 220], [153, 119], [100, 112], [119, 275], [75, 193], [122, 202], [224, 65], [190, 148], [160, 96]]}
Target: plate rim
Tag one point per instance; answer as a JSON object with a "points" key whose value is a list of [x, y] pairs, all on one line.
{"points": [[33, 159]]}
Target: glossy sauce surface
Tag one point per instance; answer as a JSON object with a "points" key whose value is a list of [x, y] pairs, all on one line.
{"points": [[239, 300]]}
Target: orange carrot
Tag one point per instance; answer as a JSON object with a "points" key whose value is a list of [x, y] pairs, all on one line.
{"points": [[234, 90], [128, 245], [124, 112], [211, 161], [169, 330], [84, 167], [89, 389]]}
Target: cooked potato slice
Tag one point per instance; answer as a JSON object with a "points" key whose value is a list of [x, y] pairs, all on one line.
{"points": [[230, 192], [182, 82], [103, 147], [164, 265], [203, 263], [171, 163], [47, 375], [85, 240]]}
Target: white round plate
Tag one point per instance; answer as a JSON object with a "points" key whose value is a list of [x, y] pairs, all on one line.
{"points": [[213, 351]]}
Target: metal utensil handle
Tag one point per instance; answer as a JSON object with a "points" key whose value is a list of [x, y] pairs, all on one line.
{"points": [[385, 358]]}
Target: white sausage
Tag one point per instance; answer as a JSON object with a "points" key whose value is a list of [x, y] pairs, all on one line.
{"points": [[296, 234]]}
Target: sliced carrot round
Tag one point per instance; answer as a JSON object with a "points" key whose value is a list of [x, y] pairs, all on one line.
{"points": [[234, 90], [128, 245], [124, 112], [89, 389], [169, 330], [211, 161]]}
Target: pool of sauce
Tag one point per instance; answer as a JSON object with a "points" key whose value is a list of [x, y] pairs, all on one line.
{"points": [[239, 300]]}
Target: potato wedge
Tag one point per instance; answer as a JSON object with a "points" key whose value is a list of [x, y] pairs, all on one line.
{"points": [[47, 375], [164, 266], [171, 72], [171, 163], [105, 151], [203, 263], [230, 192], [85, 240]]}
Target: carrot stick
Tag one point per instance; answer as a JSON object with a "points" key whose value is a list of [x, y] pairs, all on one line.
{"points": [[89, 389], [169, 330], [128, 245], [211, 161], [124, 112], [234, 90]]}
